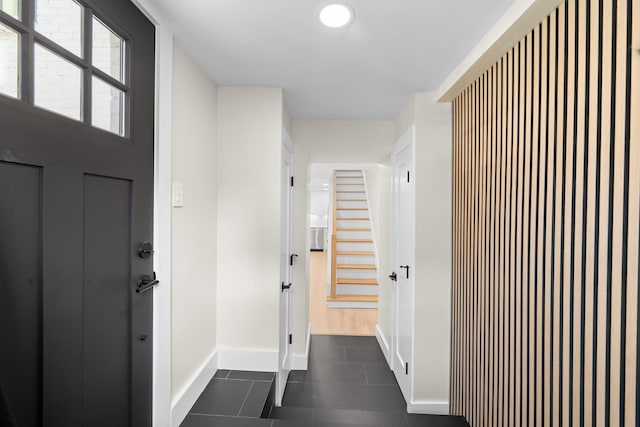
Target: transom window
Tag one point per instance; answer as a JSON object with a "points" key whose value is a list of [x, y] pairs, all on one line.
{"points": [[61, 56]]}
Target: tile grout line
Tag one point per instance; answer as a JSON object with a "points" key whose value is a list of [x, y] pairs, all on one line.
{"points": [[366, 377], [245, 399]]}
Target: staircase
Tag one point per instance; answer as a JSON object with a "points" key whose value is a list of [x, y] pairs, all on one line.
{"points": [[354, 274]]}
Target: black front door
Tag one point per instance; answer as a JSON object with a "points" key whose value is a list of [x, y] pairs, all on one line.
{"points": [[76, 202]]}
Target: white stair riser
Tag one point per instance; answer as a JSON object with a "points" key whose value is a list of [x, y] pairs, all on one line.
{"points": [[352, 214], [350, 187], [341, 196], [348, 246], [356, 290], [345, 223], [343, 304], [354, 235], [349, 204], [349, 180], [356, 274], [355, 259]]}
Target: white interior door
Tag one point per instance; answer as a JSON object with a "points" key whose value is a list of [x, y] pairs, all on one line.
{"points": [[286, 240], [403, 261]]}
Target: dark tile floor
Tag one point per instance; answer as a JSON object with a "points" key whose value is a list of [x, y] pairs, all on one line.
{"points": [[233, 398], [348, 383]]}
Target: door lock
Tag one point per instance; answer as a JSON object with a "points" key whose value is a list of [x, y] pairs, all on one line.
{"points": [[393, 276], [145, 250]]}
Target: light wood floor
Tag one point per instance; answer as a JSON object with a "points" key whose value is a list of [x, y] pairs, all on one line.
{"points": [[335, 321]]}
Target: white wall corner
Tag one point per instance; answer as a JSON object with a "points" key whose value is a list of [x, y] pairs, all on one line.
{"points": [[509, 29], [384, 344], [430, 407], [248, 359], [162, 228], [188, 396], [300, 362]]}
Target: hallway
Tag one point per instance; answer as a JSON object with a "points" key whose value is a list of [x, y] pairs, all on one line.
{"points": [[334, 321], [348, 384]]}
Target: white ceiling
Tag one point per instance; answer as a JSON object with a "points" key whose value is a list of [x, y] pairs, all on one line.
{"points": [[364, 72]]}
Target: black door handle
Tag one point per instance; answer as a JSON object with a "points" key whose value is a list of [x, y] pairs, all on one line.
{"points": [[146, 283], [407, 267], [283, 286], [393, 276]]}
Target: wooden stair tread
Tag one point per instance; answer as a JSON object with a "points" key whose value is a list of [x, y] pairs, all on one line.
{"points": [[352, 209], [353, 229], [351, 200], [350, 191], [354, 240], [356, 266], [356, 253], [352, 219], [344, 281], [353, 298]]}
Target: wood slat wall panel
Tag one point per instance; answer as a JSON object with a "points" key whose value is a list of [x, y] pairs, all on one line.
{"points": [[546, 217]]}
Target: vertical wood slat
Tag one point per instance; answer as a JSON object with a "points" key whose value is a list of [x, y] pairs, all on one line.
{"points": [[589, 276], [632, 415], [546, 217], [547, 364]]}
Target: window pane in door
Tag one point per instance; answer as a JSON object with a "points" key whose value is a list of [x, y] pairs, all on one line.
{"points": [[107, 109], [9, 80], [60, 21], [12, 7], [58, 84], [108, 50]]}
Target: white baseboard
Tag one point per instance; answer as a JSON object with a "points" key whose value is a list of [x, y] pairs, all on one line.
{"points": [[344, 304], [300, 362], [248, 359], [428, 407], [384, 345], [187, 397]]}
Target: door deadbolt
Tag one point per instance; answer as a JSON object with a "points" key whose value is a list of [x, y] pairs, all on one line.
{"points": [[145, 250]]}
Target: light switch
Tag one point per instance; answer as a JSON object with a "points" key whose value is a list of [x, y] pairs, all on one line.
{"points": [[177, 195]]}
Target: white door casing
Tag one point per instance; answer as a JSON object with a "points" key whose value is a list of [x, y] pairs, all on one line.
{"points": [[286, 244], [403, 261]]}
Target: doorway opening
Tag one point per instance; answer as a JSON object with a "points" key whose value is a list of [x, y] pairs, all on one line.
{"points": [[347, 219]]}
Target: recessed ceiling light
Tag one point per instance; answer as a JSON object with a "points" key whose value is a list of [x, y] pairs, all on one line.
{"points": [[336, 15]]}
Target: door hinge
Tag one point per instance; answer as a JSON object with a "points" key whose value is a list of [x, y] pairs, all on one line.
{"points": [[406, 368], [292, 181], [408, 176], [290, 339]]}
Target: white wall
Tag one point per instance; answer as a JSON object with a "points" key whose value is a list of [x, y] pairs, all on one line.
{"points": [[194, 235], [432, 310], [249, 140], [318, 207], [330, 141], [379, 189]]}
